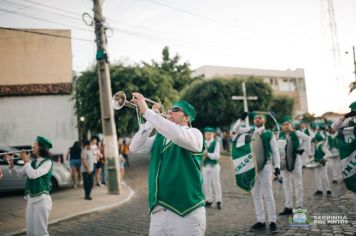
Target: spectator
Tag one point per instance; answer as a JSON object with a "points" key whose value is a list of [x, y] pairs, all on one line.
{"points": [[99, 165], [87, 169], [73, 156], [125, 152]]}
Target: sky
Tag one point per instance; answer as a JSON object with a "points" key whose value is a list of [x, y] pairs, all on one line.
{"points": [[273, 34]]}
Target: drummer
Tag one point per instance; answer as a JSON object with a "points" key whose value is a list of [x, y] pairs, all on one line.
{"points": [[291, 165], [263, 185], [321, 172]]}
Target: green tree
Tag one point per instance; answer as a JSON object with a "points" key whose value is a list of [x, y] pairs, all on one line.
{"points": [[180, 73], [144, 79], [282, 105], [212, 100]]}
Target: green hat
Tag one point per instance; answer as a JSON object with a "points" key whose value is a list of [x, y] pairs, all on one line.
{"points": [[286, 119], [318, 137], [187, 109], [353, 106], [254, 114], [209, 129], [44, 142]]}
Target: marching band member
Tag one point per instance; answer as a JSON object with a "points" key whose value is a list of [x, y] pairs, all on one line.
{"points": [[211, 168], [335, 160], [321, 172], [176, 198], [37, 188], [301, 144], [263, 185]]}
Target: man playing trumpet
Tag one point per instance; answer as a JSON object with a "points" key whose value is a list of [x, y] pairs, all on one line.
{"points": [[37, 188], [176, 199]]}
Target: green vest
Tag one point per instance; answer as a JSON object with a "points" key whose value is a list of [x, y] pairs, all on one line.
{"points": [[175, 180], [306, 131], [40, 185], [211, 149], [266, 137], [319, 154]]}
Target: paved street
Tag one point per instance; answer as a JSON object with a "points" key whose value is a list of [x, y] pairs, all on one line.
{"points": [[235, 218]]}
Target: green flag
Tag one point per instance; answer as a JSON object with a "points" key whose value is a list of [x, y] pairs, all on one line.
{"points": [[346, 143], [244, 166]]}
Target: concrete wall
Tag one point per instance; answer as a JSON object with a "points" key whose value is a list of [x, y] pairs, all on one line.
{"points": [[28, 58], [22, 119]]}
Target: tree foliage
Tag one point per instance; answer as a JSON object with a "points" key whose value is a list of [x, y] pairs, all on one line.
{"points": [[282, 105], [144, 79], [170, 66], [212, 100]]}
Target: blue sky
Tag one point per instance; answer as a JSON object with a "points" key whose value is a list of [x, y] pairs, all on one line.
{"points": [[273, 34]]}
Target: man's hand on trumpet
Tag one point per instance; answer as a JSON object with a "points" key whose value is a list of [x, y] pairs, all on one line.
{"points": [[25, 156], [140, 101]]}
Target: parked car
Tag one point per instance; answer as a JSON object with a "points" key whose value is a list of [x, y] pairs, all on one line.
{"points": [[61, 174]]}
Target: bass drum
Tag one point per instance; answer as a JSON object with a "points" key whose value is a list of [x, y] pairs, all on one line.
{"points": [[290, 155], [258, 152]]}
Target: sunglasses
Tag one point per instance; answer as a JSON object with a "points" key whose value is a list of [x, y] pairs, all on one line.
{"points": [[175, 109]]}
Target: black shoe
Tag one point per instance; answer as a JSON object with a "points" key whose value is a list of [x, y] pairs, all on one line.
{"points": [[88, 198], [328, 193], [208, 204], [334, 181], [259, 225], [218, 205], [273, 227], [286, 211], [318, 193]]}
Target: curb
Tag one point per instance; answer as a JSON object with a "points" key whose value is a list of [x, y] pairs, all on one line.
{"points": [[103, 208]]}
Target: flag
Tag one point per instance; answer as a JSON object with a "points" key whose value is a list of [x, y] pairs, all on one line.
{"points": [[244, 166], [347, 148]]}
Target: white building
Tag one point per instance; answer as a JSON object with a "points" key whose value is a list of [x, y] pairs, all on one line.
{"points": [[289, 82], [36, 88]]}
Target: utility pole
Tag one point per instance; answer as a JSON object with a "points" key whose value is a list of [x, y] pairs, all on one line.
{"points": [[107, 113], [244, 98]]}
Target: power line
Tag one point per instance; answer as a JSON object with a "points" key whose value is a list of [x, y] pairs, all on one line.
{"points": [[46, 20], [21, 8], [45, 34]]}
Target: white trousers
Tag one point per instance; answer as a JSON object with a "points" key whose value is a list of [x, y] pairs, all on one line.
{"points": [[263, 190], [337, 172], [288, 178], [166, 223], [321, 176], [211, 178], [37, 214]]}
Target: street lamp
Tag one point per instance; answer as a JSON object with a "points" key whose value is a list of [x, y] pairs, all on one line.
{"points": [[353, 51]]}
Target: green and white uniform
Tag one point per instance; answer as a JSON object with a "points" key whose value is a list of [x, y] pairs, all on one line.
{"points": [[321, 172], [263, 184], [176, 199], [39, 202], [300, 141], [211, 171]]}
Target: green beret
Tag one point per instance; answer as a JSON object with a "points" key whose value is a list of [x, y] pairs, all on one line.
{"points": [[286, 119], [209, 129], [353, 106], [318, 137], [187, 109], [44, 142], [255, 114]]}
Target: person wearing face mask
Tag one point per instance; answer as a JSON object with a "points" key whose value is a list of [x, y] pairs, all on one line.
{"points": [[38, 185], [211, 168], [175, 190]]}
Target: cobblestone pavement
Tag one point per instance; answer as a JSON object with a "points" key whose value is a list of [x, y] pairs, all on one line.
{"points": [[234, 219]]}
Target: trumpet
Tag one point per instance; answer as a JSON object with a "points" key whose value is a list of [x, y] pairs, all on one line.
{"points": [[119, 101], [14, 152]]}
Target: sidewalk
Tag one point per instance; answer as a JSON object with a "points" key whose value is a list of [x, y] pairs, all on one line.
{"points": [[67, 203]]}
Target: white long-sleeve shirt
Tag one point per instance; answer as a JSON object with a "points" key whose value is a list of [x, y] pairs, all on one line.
{"points": [[274, 145], [305, 142], [183, 136], [216, 154]]}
